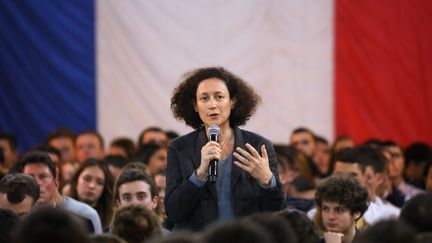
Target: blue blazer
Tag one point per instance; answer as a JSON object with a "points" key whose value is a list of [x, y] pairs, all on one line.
{"points": [[191, 207]]}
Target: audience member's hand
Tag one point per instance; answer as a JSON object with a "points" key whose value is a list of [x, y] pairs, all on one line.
{"points": [[333, 237]]}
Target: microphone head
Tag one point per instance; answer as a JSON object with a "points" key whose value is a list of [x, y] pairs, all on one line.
{"points": [[213, 130]]}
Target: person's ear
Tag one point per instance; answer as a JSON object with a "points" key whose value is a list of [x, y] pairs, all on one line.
{"points": [[117, 203], [195, 105], [233, 102], [155, 201]]}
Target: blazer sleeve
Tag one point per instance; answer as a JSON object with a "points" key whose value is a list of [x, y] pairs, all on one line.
{"points": [[181, 196]]}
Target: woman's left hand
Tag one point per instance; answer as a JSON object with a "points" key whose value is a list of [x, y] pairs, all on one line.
{"points": [[253, 163]]}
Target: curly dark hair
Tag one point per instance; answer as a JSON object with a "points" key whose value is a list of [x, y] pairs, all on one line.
{"points": [[184, 96], [345, 191]]}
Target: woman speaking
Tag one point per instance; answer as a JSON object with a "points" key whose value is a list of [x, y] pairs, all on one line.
{"points": [[218, 172]]}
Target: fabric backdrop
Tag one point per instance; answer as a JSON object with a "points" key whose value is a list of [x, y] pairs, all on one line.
{"points": [[112, 65]]}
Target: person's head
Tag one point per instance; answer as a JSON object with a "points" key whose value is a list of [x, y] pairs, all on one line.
{"points": [[152, 135], [417, 156], [93, 185], [106, 238], [89, 144], [322, 154], [374, 168], [9, 145], [279, 229], [135, 223], [238, 231], [342, 141], [213, 95], [388, 231], [63, 139], [347, 162], [50, 225], [394, 154], [8, 221], [154, 156], [304, 139], [115, 164], [40, 166], [18, 192], [417, 212], [303, 227], [341, 201], [134, 187], [69, 169], [160, 181], [122, 147]]}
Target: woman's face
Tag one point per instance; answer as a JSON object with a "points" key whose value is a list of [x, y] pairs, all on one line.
{"points": [[158, 161], [90, 185], [213, 102]]}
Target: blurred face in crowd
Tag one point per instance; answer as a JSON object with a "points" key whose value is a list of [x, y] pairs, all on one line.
{"points": [[160, 181], [66, 147], [88, 146], [21, 209], [213, 103], [136, 193], [348, 169], [8, 153], [156, 137], [90, 185], [337, 218], [305, 142], [429, 179], [47, 183], [158, 161], [397, 162]]}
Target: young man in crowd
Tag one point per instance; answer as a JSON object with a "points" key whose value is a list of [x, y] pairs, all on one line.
{"points": [[40, 166], [19, 193], [341, 201]]}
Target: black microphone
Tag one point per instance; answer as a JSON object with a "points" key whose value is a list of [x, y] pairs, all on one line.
{"points": [[214, 132]]}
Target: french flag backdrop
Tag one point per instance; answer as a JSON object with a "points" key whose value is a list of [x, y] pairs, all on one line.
{"points": [[361, 68]]}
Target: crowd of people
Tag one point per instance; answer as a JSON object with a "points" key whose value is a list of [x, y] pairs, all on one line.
{"points": [[156, 189]]}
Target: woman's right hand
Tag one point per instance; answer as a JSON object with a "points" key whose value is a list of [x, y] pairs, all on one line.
{"points": [[212, 150]]}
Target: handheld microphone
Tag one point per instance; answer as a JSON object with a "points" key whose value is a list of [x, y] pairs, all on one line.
{"points": [[214, 132]]}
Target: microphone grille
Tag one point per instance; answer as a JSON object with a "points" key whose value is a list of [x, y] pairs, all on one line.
{"points": [[214, 129]]}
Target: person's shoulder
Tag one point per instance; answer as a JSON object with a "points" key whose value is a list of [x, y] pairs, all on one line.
{"points": [[252, 136], [78, 207], [185, 140]]}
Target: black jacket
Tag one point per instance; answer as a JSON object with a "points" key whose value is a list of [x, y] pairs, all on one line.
{"points": [[190, 207]]}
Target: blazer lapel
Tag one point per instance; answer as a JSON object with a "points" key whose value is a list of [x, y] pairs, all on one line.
{"points": [[236, 171]]}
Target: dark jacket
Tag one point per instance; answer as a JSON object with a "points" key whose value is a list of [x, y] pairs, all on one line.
{"points": [[190, 207]]}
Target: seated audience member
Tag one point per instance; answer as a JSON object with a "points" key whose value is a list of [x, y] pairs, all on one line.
{"points": [[63, 139], [69, 169], [303, 139], [160, 180], [50, 225], [395, 155], [93, 184], [135, 223], [296, 179], [154, 156], [89, 144], [122, 147], [417, 212], [115, 164], [373, 164], [9, 145], [152, 135], [40, 166], [388, 231], [238, 232], [106, 238], [417, 156], [278, 228], [8, 221], [341, 201], [19, 193], [304, 228], [322, 154], [55, 156]]}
